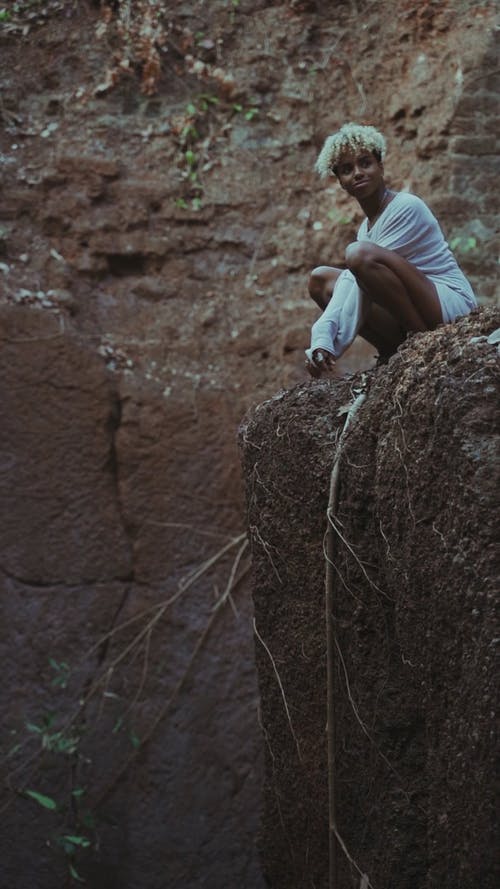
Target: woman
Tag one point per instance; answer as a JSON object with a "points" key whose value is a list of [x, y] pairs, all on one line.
{"points": [[401, 275]]}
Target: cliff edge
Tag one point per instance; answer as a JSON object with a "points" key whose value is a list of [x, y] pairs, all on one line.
{"points": [[413, 616]]}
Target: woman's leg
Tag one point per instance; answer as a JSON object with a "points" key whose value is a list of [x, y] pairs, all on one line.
{"points": [[382, 331], [396, 285], [321, 284], [380, 328]]}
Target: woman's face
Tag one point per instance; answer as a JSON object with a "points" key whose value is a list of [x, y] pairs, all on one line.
{"points": [[360, 173]]}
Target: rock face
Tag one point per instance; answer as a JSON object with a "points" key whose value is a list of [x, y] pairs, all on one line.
{"points": [[154, 249], [414, 617], [128, 695]]}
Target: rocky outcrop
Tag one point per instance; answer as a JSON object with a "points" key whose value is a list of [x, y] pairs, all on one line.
{"points": [[413, 616], [128, 696], [154, 251]]}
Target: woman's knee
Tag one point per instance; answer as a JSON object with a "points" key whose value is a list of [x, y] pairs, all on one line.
{"points": [[318, 282], [359, 255], [321, 283]]}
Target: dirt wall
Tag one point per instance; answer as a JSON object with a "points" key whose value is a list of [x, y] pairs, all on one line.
{"points": [[133, 737], [414, 568], [154, 248]]}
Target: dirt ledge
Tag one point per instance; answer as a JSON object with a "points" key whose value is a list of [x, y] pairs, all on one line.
{"points": [[414, 616]]}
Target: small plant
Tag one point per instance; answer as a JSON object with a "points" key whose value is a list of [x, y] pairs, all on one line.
{"points": [[191, 128], [249, 114], [205, 100], [58, 736], [195, 203], [463, 244], [190, 158], [62, 673], [233, 7], [57, 739], [337, 217], [46, 801], [68, 843]]}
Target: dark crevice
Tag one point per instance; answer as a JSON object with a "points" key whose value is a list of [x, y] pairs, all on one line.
{"points": [[121, 266], [113, 425], [29, 583], [112, 466]]}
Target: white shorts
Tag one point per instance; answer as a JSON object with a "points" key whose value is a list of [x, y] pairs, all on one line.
{"points": [[453, 303]]}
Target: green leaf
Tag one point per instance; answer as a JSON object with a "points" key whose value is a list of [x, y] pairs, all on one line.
{"points": [[119, 722], [60, 744], [46, 801], [463, 244], [37, 729], [191, 109], [62, 666], [77, 840], [207, 97], [251, 113], [79, 791], [189, 130], [60, 681], [62, 670], [74, 873]]}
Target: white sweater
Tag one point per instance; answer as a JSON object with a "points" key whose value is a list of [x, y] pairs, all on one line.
{"points": [[408, 227]]}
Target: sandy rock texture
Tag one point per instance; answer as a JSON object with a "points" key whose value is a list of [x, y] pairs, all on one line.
{"points": [[414, 617], [147, 744], [158, 220]]}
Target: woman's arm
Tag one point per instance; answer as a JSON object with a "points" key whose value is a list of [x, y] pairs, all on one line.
{"points": [[339, 324]]}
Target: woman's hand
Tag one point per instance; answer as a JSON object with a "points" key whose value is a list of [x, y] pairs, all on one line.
{"points": [[319, 363]]}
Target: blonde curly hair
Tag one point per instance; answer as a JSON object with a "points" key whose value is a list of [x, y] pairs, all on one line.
{"points": [[350, 137]]}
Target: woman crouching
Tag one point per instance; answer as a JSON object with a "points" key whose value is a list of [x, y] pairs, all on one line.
{"points": [[400, 274]]}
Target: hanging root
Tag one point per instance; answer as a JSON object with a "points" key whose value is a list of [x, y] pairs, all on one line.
{"points": [[150, 617], [278, 677], [330, 635]]}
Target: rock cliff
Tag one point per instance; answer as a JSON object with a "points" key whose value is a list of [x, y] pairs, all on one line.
{"points": [[414, 565], [158, 221]]}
